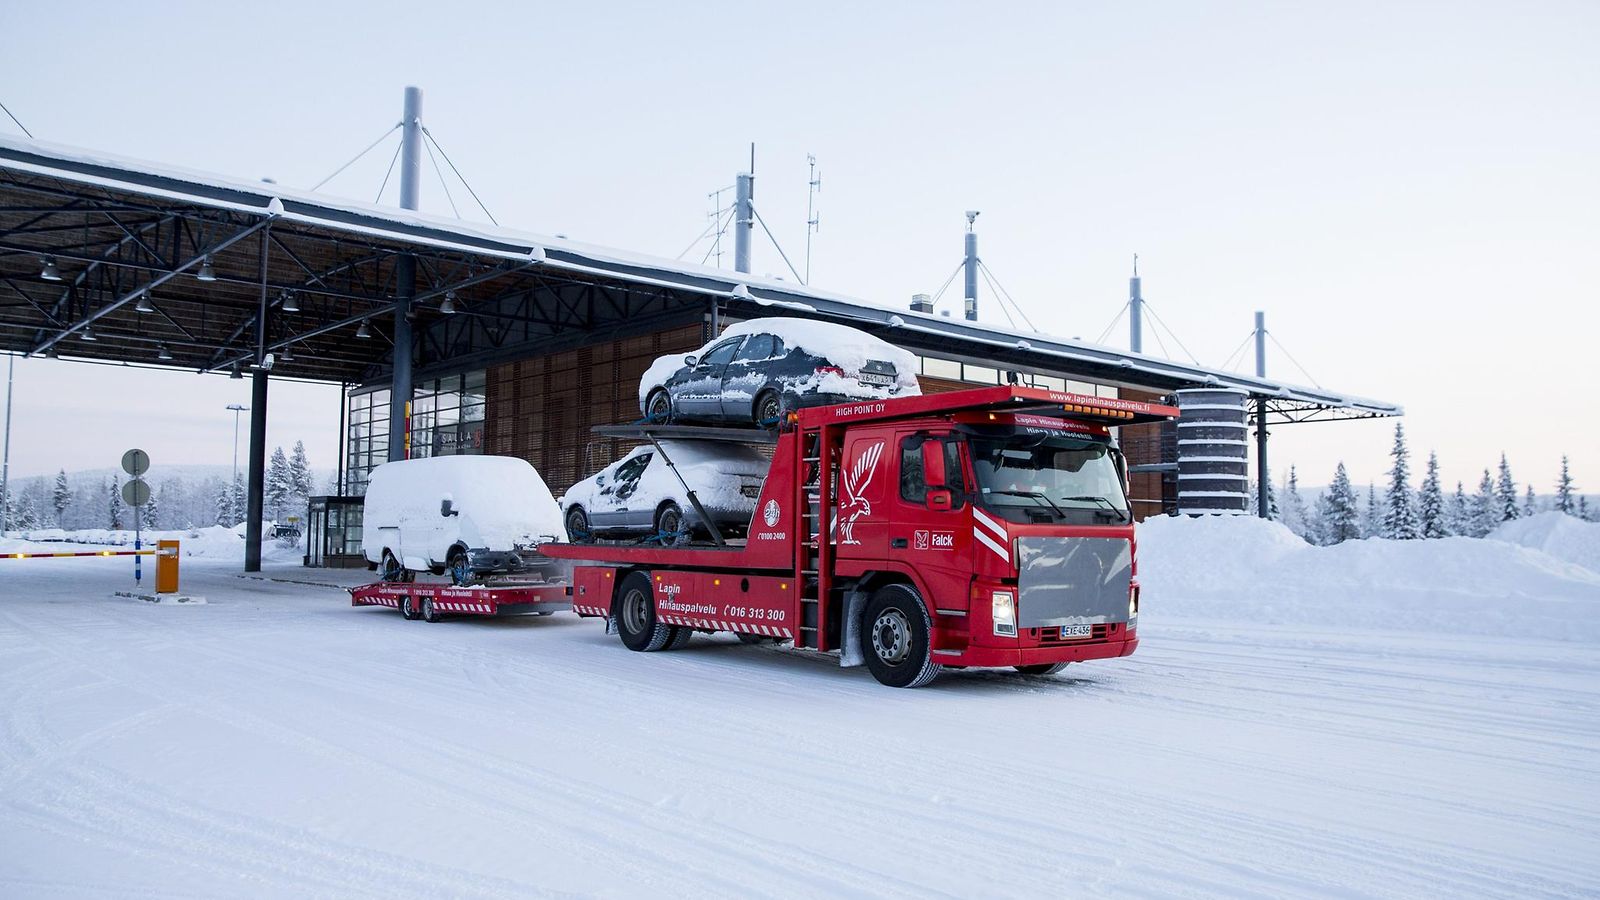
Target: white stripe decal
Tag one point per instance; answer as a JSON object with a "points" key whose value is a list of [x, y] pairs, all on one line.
{"points": [[987, 541], [996, 527]]}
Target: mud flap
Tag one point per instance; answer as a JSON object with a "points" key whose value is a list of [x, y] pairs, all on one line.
{"points": [[611, 624], [855, 603]]}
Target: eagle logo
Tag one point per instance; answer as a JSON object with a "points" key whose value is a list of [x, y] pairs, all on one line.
{"points": [[855, 503]]}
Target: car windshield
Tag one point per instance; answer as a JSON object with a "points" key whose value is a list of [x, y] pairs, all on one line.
{"points": [[1064, 477]]}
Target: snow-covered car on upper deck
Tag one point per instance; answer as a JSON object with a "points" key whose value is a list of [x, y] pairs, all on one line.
{"points": [[468, 516], [638, 494], [757, 370]]}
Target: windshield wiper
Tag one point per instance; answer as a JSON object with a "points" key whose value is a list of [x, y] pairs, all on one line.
{"points": [[1039, 494], [1091, 498]]}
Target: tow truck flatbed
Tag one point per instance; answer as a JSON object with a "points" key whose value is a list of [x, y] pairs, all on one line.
{"points": [[432, 601]]}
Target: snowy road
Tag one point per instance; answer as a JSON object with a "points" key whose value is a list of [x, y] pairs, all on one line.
{"points": [[279, 742]]}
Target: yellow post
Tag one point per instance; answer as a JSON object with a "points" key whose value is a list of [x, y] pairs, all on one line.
{"points": [[166, 567]]}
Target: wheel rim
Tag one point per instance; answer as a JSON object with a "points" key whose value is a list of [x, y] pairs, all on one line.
{"points": [[577, 525], [660, 407], [671, 526], [633, 611], [459, 570], [427, 607], [771, 409], [391, 568], [891, 637]]}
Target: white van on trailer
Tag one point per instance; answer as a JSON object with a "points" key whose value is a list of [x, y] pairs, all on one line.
{"points": [[467, 516]]}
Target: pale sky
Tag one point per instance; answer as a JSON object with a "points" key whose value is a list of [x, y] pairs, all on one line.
{"points": [[1409, 190]]}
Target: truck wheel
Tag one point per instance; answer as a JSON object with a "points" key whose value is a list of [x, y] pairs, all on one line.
{"points": [[896, 638], [408, 608], [578, 526], [680, 637], [1041, 669], [427, 613], [460, 570], [745, 638], [658, 409], [636, 615], [669, 526]]}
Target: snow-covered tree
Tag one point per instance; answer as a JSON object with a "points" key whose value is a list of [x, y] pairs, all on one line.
{"points": [[1372, 523], [278, 486], [149, 512], [1272, 498], [61, 497], [300, 471], [1433, 516], [114, 507], [239, 501], [1485, 508], [1459, 519], [1564, 489], [224, 506], [1294, 507], [1336, 510], [1530, 503], [1505, 491], [1583, 509], [26, 516], [1400, 509]]}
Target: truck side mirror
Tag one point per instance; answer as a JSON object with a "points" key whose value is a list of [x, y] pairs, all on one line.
{"points": [[447, 507], [933, 474], [940, 499]]}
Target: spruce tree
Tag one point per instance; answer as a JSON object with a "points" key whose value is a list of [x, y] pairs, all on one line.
{"points": [[1340, 518], [149, 512], [1486, 513], [224, 506], [115, 507], [1459, 520], [1294, 507], [1506, 492], [1373, 524], [1400, 509], [27, 514], [1583, 508], [1564, 489], [300, 472], [239, 501], [61, 497], [278, 485], [1432, 515], [1530, 504]]}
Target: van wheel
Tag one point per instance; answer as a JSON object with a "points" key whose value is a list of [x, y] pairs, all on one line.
{"points": [[669, 526], [393, 571], [1041, 669], [636, 615], [578, 526], [460, 571], [658, 409], [428, 614], [768, 410], [896, 638]]}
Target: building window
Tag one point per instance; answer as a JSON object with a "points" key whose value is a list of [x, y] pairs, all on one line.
{"points": [[447, 417]]}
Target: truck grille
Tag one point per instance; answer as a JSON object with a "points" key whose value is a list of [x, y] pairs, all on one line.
{"points": [[1051, 637], [1072, 581]]}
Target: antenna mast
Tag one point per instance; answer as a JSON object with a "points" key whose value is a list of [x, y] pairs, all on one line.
{"points": [[813, 217]]}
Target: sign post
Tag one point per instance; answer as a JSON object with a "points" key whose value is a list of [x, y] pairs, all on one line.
{"points": [[136, 493]]}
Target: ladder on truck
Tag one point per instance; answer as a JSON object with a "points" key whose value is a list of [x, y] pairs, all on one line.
{"points": [[819, 461]]}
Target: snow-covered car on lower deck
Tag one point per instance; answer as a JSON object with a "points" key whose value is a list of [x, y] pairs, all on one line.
{"points": [[639, 495], [757, 370], [469, 516]]}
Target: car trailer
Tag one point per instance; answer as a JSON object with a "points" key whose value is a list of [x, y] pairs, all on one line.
{"points": [[432, 602]]}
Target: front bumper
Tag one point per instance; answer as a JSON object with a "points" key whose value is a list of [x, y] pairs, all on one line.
{"points": [[1000, 657], [509, 562]]}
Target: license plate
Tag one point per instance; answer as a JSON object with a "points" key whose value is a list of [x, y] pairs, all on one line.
{"points": [[869, 378], [1071, 632]]}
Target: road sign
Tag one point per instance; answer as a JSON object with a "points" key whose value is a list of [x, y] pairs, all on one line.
{"points": [[135, 492], [136, 462]]}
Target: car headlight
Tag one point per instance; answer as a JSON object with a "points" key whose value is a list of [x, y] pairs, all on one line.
{"points": [[1003, 608]]}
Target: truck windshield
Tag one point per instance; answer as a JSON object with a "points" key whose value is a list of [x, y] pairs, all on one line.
{"points": [[1063, 477]]}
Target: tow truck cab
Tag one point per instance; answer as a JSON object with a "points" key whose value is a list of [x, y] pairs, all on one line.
{"points": [[1015, 529]]}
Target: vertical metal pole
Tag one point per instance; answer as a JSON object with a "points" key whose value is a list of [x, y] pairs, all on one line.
{"points": [[972, 274], [744, 188], [406, 277], [1135, 312], [1261, 418], [257, 464], [5, 465], [344, 440]]}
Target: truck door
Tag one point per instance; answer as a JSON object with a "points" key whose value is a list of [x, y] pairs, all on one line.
{"points": [[861, 514], [929, 523]]}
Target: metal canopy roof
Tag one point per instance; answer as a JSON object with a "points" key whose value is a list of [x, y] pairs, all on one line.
{"points": [[155, 263]]}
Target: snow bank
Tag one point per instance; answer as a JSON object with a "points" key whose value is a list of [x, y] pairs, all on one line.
{"points": [[1557, 534], [1232, 569]]}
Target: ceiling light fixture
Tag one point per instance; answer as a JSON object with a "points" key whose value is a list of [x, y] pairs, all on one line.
{"points": [[49, 272], [206, 273], [87, 334], [364, 332], [144, 304], [448, 307], [162, 352], [291, 303]]}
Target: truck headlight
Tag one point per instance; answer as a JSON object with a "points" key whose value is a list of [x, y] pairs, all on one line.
{"points": [[1003, 606], [1133, 607]]}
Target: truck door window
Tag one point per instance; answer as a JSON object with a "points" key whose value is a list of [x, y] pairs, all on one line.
{"points": [[913, 486]]}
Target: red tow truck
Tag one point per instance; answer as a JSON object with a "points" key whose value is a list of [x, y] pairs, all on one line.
{"points": [[978, 528]]}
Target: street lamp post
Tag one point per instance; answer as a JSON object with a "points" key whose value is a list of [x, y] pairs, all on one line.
{"points": [[236, 409]]}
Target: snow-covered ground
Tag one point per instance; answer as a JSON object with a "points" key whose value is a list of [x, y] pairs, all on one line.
{"points": [[1275, 735]]}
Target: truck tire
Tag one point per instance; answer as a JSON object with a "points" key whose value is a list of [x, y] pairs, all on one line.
{"points": [[1041, 669], [896, 638], [636, 615], [680, 637], [408, 608], [427, 612], [460, 571]]}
